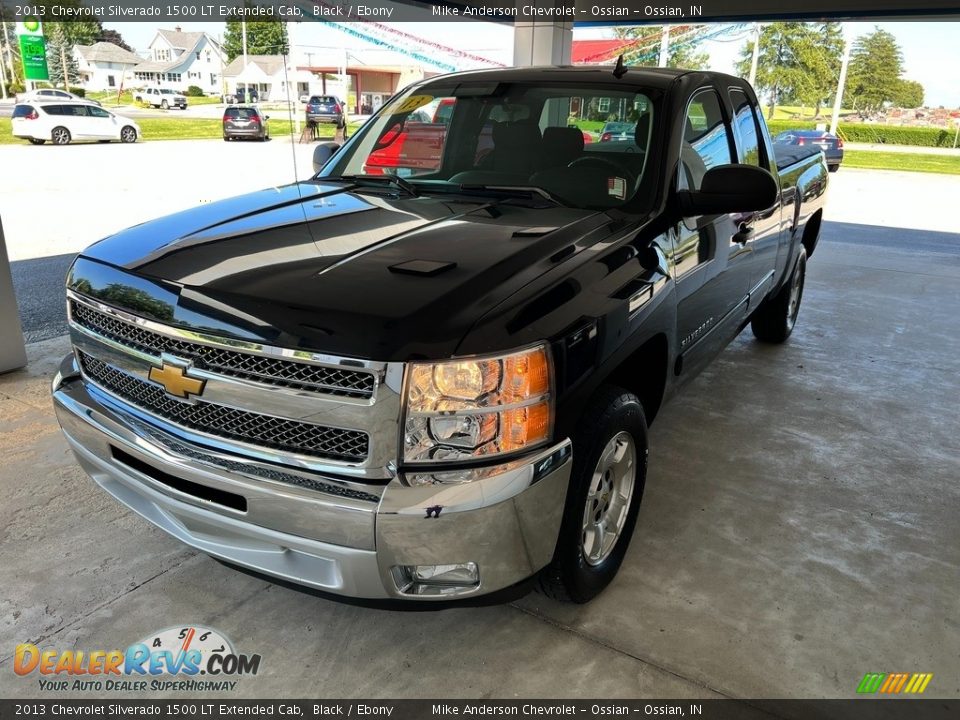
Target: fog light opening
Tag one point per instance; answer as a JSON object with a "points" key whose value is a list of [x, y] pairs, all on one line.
{"points": [[436, 579]]}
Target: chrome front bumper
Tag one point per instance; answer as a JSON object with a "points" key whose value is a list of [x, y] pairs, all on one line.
{"points": [[328, 533]]}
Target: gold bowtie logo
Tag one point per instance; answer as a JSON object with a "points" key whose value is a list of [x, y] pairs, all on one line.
{"points": [[175, 381]]}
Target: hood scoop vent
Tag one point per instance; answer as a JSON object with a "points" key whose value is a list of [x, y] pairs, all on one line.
{"points": [[427, 268]]}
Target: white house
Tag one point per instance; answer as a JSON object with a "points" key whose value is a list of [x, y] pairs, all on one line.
{"points": [[273, 79], [180, 59], [105, 66], [364, 84]]}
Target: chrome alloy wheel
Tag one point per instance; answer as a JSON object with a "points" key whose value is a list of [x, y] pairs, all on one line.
{"points": [[608, 499], [60, 136], [796, 291]]}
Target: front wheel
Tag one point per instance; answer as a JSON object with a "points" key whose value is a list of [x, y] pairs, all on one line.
{"points": [[60, 136], [128, 134], [36, 141], [775, 319], [164, 105], [603, 499]]}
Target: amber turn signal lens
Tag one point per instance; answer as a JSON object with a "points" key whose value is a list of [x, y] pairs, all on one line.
{"points": [[526, 376], [525, 426]]}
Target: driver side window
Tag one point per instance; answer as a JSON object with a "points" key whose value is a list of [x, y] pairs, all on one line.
{"points": [[706, 140]]}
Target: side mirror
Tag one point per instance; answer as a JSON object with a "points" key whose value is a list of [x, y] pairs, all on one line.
{"points": [[266, 117], [730, 189], [322, 153]]}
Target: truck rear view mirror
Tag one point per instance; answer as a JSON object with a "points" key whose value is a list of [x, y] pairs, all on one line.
{"points": [[322, 153], [730, 189]]}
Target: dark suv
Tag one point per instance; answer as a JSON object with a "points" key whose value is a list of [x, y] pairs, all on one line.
{"points": [[245, 121], [325, 109]]}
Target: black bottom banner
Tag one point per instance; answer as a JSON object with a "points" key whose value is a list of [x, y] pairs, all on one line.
{"points": [[885, 709]]}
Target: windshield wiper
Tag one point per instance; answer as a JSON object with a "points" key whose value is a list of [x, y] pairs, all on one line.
{"points": [[405, 185], [514, 190]]}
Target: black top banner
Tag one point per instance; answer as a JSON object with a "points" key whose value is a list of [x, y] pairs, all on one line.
{"points": [[578, 12]]}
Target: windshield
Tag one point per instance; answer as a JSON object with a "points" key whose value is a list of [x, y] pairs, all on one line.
{"points": [[471, 136]]}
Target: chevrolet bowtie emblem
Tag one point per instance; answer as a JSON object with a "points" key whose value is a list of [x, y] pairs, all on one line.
{"points": [[175, 380]]}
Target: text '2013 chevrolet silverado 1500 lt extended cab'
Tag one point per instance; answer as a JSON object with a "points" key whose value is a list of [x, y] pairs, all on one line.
{"points": [[435, 384]]}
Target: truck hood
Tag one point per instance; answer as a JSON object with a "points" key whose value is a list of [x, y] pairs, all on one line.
{"points": [[316, 266]]}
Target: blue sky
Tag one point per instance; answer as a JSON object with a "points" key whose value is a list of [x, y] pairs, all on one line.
{"points": [[931, 50]]}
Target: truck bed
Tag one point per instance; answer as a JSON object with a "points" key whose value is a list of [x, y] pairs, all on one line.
{"points": [[787, 155]]}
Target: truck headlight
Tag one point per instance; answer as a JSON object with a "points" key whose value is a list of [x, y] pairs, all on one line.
{"points": [[477, 407]]}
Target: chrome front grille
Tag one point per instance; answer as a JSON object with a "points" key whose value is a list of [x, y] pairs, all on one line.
{"points": [[230, 423], [256, 368]]}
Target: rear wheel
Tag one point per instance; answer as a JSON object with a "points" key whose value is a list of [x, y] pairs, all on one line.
{"points": [[60, 136], [774, 320], [606, 487], [128, 134], [36, 141], [833, 168]]}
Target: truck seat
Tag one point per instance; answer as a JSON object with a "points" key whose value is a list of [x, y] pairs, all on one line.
{"points": [[560, 147]]}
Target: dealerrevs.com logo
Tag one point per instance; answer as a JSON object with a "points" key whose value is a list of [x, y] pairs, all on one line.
{"points": [[191, 658]]}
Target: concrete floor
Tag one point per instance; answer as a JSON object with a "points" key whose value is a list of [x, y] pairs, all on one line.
{"points": [[798, 529]]}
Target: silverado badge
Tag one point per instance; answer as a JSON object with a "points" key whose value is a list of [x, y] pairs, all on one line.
{"points": [[176, 381]]}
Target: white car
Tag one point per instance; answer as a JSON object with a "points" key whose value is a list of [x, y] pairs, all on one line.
{"points": [[51, 94], [63, 122], [163, 98]]}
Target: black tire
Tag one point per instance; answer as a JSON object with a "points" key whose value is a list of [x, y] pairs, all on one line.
{"points": [[36, 141], [773, 322], [128, 134], [613, 413], [833, 168], [60, 136], [225, 138]]}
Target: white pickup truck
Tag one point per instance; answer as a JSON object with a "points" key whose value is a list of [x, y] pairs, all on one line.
{"points": [[161, 98]]}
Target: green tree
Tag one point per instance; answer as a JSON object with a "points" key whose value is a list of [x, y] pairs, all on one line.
{"points": [[909, 94], [681, 54], [876, 64], [61, 64], [819, 55], [112, 36], [785, 50], [263, 38]]}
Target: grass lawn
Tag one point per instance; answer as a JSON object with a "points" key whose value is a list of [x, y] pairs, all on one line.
{"points": [[795, 112], [187, 129], [916, 162], [108, 98], [198, 129]]}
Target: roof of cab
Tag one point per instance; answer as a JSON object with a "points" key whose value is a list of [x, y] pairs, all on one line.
{"points": [[651, 77]]}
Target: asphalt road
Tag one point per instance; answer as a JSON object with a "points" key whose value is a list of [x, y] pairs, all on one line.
{"points": [[41, 298]]}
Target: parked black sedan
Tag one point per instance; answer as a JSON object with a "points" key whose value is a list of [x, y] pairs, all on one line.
{"points": [[831, 145], [245, 121]]}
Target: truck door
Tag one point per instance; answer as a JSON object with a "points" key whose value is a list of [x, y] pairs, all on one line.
{"points": [[710, 266], [760, 231]]}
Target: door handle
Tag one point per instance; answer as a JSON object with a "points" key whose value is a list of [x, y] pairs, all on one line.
{"points": [[744, 233]]}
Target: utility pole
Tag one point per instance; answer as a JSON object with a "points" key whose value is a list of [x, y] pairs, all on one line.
{"points": [[3, 72], [243, 34], [664, 46], [841, 84], [63, 64], [5, 54], [756, 54]]}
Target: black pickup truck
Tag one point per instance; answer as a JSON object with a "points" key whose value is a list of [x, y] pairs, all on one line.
{"points": [[434, 383]]}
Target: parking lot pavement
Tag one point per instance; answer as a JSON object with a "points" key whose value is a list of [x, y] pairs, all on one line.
{"points": [[798, 528], [64, 198]]}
